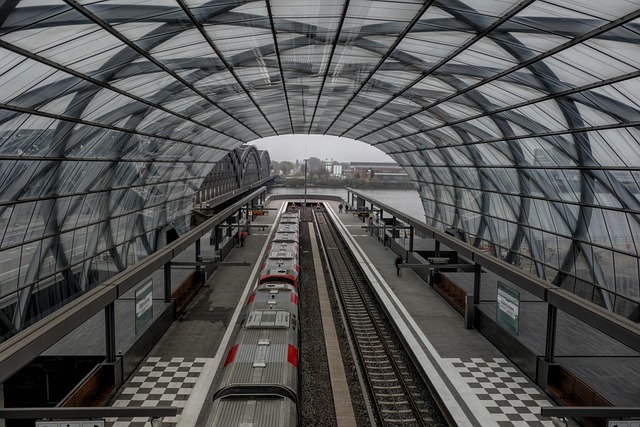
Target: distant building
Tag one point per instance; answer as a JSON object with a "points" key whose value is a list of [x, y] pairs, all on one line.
{"points": [[377, 171], [390, 176], [334, 168]]}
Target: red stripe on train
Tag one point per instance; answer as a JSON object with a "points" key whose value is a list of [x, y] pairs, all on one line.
{"points": [[292, 355], [232, 355]]}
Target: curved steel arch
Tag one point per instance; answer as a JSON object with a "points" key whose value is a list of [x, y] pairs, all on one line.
{"points": [[113, 116], [238, 170]]}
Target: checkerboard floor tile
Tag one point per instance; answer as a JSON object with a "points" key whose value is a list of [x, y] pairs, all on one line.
{"points": [[158, 382], [509, 397]]}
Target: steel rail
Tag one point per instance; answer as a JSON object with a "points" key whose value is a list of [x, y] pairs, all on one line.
{"points": [[361, 375], [394, 396]]}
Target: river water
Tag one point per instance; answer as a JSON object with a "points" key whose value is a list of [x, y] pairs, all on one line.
{"points": [[407, 200]]}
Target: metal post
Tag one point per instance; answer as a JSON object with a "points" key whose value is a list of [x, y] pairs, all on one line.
{"points": [[394, 223], [437, 253], [384, 234], [110, 332], [411, 230], [552, 320], [305, 181], [248, 219], [167, 282], [468, 312], [198, 255], [476, 284]]}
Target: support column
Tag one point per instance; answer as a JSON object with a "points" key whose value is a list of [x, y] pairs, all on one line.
{"points": [[2, 423], [305, 182], [198, 255], [436, 271], [167, 282], [247, 218], [411, 232], [110, 332], [476, 284], [550, 345]]}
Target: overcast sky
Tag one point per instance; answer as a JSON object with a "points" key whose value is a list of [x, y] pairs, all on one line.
{"points": [[298, 147]]}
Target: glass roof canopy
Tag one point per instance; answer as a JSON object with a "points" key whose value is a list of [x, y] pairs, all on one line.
{"points": [[517, 120]]}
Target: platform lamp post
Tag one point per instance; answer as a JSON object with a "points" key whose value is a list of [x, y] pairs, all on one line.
{"points": [[305, 182]]}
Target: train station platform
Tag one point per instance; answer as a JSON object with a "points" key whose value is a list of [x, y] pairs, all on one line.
{"points": [[180, 369], [478, 384]]}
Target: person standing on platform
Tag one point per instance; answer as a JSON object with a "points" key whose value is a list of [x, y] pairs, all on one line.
{"points": [[399, 261], [340, 208]]}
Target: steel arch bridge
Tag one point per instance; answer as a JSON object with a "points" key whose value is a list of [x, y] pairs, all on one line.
{"points": [[516, 120], [236, 171]]}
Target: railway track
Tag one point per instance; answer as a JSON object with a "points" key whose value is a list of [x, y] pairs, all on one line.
{"points": [[393, 385]]}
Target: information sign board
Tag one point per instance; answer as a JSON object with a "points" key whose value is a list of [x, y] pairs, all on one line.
{"points": [[508, 308], [144, 305], [259, 213]]}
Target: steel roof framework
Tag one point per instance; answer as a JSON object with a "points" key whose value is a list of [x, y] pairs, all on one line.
{"points": [[517, 121]]}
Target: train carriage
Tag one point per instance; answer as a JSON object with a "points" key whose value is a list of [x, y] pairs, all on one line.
{"points": [[280, 270], [274, 296], [265, 358], [259, 382]]}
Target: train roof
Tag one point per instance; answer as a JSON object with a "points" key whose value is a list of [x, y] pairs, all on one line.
{"points": [[285, 236], [272, 348], [293, 227], [250, 410], [274, 296], [276, 262], [282, 255], [295, 215], [275, 243], [268, 319], [279, 249]]}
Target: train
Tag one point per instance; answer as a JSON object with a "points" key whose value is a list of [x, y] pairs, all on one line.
{"points": [[259, 381]]}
